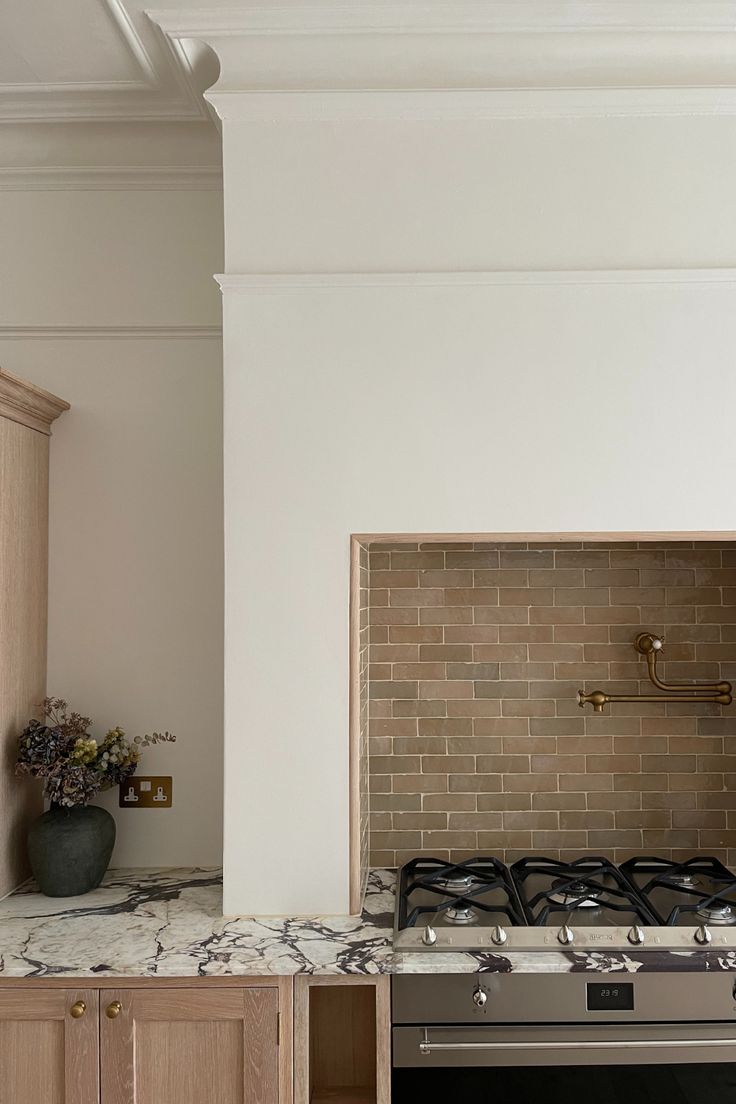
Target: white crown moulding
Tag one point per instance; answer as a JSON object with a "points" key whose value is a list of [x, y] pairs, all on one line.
{"points": [[163, 87], [470, 59], [442, 17]]}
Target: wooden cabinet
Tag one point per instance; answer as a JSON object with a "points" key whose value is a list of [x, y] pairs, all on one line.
{"points": [[186, 1046], [26, 414], [150, 1043], [48, 1046], [198, 1041], [342, 1040]]}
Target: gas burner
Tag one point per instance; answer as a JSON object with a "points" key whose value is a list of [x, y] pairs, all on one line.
{"points": [[575, 894], [717, 913], [682, 879], [466, 896], [590, 889], [681, 894], [454, 883], [461, 914]]}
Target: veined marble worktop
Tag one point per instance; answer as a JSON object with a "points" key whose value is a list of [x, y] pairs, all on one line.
{"points": [[169, 923]]}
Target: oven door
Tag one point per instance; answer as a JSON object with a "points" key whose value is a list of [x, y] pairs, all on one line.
{"points": [[606, 1064]]}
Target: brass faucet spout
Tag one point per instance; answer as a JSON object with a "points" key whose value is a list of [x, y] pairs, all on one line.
{"points": [[649, 645]]}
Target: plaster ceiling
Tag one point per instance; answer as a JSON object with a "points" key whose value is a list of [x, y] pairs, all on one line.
{"points": [[95, 59], [93, 94]]}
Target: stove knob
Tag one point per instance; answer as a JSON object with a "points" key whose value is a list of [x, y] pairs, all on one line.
{"points": [[636, 936], [429, 936], [479, 997], [566, 936], [498, 936], [703, 936]]}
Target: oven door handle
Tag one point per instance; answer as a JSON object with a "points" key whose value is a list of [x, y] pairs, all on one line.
{"points": [[426, 1046]]}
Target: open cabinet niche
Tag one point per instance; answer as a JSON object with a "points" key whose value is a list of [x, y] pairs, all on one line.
{"points": [[342, 1040]]}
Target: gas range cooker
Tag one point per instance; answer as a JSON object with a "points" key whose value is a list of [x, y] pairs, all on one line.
{"points": [[539, 903]]}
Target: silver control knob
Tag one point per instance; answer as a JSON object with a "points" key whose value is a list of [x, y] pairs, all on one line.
{"points": [[636, 936], [498, 936], [703, 936], [479, 997], [565, 936], [429, 936]]}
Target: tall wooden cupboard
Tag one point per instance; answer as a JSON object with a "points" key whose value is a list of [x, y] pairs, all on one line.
{"points": [[26, 414]]}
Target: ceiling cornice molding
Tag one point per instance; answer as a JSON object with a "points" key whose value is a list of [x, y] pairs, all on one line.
{"points": [[441, 17], [452, 103], [164, 88], [470, 59], [69, 104], [257, 283]]}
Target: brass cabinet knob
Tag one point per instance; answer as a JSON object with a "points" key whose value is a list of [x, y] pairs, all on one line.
{"points": [[78, 1009], [113, 1010]]}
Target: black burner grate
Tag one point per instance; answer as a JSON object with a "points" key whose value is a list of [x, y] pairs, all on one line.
{"points": [[435, 877], [682, 878], [571, 886]]}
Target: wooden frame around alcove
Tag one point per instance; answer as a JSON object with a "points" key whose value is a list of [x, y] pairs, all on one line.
{"points": [[365, 540]]}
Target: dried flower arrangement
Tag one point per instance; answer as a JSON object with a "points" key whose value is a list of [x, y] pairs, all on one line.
{"points": [[73, 765]]}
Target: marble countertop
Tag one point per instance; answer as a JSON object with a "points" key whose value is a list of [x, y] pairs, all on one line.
{"points": [[169, 923]]}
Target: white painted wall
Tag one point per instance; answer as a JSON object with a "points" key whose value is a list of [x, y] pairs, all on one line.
{"points": [[110, 258], [373, 405], [453, 408], [374, 195], [135, 603]]}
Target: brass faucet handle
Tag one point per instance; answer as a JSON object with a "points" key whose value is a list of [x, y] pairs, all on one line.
{"points": [[647, 642]]}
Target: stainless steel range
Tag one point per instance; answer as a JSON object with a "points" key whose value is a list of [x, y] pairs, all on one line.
{"points": [[627, 1036], [538, 903]]}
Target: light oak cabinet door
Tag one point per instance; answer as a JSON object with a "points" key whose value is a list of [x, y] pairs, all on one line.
{"points": [[49, 1046], [190, 1046]]}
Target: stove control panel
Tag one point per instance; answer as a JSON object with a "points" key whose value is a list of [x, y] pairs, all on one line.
{"points": [[610, 997]]}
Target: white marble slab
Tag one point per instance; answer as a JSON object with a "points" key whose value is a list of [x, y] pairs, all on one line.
{"points": [[169, 923]]}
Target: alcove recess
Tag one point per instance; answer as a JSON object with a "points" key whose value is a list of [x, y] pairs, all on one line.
{"points": [[342, 1040]]}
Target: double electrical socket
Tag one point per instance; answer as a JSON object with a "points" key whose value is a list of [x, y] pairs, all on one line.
{"points": [[147, 792]]}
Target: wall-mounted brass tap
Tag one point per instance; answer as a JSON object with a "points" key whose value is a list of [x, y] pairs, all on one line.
{"points": [[650, 645]]}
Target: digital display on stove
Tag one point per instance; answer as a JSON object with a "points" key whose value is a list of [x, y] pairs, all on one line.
{"points": [[610, 997]]}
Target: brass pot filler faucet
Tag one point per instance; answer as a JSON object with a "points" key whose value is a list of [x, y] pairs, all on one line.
{"points": [[649, 645]]}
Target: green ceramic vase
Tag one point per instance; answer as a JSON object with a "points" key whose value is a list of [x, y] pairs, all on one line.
{"points": [[70, 849]]}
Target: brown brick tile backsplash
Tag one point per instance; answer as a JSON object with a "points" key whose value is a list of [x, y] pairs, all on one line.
{"points": [[470, 659]]}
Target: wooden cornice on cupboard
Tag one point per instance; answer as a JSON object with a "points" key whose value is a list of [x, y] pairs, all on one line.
{"points": [[30, 405]]}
